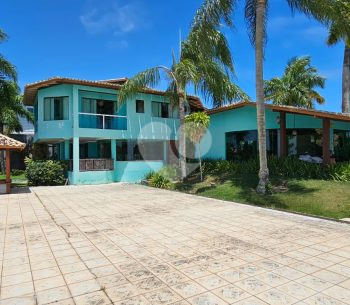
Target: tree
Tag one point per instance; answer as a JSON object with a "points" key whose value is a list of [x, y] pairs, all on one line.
{"points": [[339, 30], [213, 12], [196, 125], [204, 64], [297, 85], [11, 106]]}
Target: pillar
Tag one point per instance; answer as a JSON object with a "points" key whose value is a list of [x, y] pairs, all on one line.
{"points": [[8, 171], [326, 141], [165, 154], [75, 159], [66, 149], [283, 135], [114, 149]]}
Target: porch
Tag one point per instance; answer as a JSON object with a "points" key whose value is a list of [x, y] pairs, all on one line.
{"points": [[92, 161]]}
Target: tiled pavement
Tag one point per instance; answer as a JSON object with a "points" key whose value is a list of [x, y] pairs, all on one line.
{"points": [[132, 245]]}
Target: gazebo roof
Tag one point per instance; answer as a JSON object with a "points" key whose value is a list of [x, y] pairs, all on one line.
{"points": [[9, 143]]}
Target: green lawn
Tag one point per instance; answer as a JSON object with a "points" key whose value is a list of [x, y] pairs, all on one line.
{"points": [[313, 197], [19, 180]]}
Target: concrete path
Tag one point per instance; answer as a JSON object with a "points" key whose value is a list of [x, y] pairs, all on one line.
{"points": [[133, 245]]}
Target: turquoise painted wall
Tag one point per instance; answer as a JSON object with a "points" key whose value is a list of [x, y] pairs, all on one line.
{"points": [[135, 171], [93, 177], [139, 125], [123, 172], [245, 119], [53, 129]]}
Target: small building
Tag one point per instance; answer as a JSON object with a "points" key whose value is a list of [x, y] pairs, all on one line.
{"points": [[233, 134], [80, 121]]}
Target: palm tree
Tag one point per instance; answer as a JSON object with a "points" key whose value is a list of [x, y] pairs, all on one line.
{"points": [[339, 30], [215, 11], [297, 85], [205, 64], [196, 126], [11, 106]]}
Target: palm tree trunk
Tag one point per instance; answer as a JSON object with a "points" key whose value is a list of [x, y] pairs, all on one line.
{"points": [[346, 81], [2, 153], [260, 106], [182, 137], [200, 160]]}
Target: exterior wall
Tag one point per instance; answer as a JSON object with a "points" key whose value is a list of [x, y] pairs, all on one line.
{"points": [[135, 171], [213, 144], [141, 125], [53, 129], [123, 172]]}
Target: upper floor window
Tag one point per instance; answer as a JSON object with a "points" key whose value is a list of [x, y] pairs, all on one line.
{"points": [[55, 108], [160, 109], [140, 106]]}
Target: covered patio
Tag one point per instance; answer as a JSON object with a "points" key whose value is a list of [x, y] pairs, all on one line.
{"points": [[7, 144], [328, 119]]}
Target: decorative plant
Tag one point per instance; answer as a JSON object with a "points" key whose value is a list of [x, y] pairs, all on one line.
{"points": [[196, 125]]}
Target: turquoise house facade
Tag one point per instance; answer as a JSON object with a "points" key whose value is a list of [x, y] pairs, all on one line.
{"points": [[82, 123], [289, 131]]}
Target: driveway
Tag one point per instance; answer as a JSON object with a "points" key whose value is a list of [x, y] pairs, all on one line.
{"points": [[133, 245]]}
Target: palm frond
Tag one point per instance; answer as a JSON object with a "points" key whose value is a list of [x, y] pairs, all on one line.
{"points": [[7, 70], [212, 12], [3, 35], [250, 17], [142, 80], [297, 85]]}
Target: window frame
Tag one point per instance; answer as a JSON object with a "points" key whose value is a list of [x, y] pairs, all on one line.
{"points": [[161, 110], [50, 113], [137, 104]]}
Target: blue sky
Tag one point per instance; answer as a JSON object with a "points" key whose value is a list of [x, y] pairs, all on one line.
{"points": [[101, 39]]}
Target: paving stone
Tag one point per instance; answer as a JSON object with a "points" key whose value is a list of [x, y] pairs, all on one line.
{"points": [[133, 245]]}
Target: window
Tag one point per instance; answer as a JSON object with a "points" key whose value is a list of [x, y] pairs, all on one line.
{"points": [[160, 109], [140, 106], [55, 108], [142, 150]]}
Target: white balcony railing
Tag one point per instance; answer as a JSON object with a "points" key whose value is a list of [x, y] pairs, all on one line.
{"points": [[102, 121]]}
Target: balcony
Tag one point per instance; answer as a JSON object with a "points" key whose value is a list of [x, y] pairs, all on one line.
{"points": [[93, 165], [102, 121]]}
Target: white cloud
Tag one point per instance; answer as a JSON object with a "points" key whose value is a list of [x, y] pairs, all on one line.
{"points": [[113, 17]]}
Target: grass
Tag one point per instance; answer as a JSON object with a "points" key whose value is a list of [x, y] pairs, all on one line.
{"points": [[17, 180], [313, 197]]}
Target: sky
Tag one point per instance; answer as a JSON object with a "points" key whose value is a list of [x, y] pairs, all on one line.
{"points": [[103, 39]]}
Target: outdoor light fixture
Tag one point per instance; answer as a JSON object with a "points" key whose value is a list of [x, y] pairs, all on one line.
{"points": [[100, 103], [294, 132]]}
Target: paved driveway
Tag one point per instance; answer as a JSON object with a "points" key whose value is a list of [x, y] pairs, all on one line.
{"points": [[132, 245]]}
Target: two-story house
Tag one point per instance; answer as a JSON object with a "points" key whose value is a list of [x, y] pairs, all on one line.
{"points": [[103, 141]]}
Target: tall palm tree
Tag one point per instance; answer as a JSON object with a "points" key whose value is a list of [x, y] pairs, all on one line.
{"points": [[297, 85], [216, 11], [11, 106], [205, 64], [339, 30]]}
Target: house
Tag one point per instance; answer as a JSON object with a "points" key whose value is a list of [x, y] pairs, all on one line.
{"points": [[289, 131], [81, 122], [25, 136]]}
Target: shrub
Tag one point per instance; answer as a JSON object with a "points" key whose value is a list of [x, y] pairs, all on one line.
{"points": [[17, 172], [164, 178], [44, 172], [289, 167], [159, 181], [170, 172]]}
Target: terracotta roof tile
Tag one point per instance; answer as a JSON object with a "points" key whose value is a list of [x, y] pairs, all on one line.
{"points": [[9, 143], [30, 90]]}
